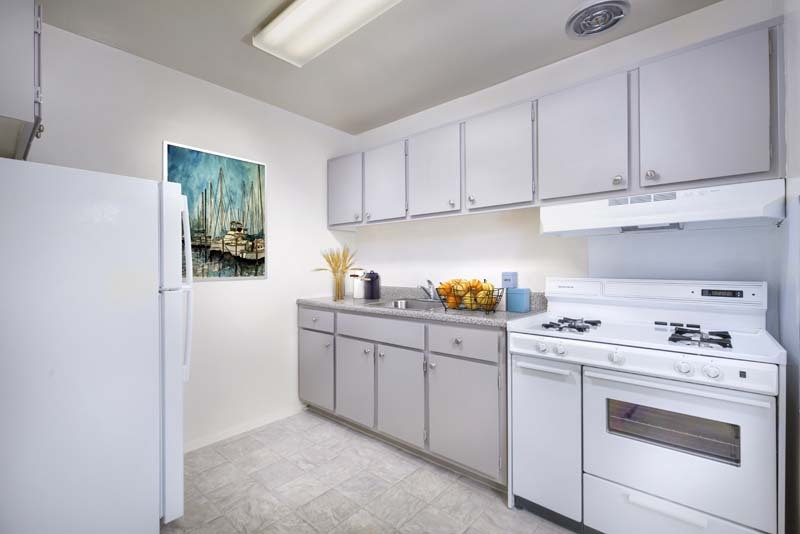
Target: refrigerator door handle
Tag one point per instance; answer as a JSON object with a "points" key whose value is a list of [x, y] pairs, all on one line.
{"points": [[187, 288]]}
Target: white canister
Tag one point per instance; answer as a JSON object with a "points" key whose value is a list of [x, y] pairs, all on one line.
{"points": [[358, 286]]}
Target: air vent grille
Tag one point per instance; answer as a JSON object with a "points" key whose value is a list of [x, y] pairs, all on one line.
{"points": [[641, 199], [659, 197]]}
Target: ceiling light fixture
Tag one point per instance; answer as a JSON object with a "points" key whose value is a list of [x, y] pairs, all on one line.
{"points": [[307, 28], [596, 16]]}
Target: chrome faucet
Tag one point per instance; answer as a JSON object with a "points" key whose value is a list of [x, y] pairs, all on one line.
{"points": [[429, 290]]}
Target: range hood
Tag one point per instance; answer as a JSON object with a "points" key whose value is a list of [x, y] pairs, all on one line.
{"points": [[745, 204]]}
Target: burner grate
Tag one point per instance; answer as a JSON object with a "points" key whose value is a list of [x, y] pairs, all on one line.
{"points": [[695, 336], [575, 325]]}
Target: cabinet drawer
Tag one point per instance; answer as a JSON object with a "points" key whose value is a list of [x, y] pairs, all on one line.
{"points": [[468, 342], [315, 319], [616, 509], [404, 333]]}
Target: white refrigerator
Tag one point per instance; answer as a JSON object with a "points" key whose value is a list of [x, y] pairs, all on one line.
{"points": [[95, 330]]}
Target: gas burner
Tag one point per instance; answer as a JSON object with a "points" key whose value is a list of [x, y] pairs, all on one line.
{"points": [[576, 325], [695, 336]]}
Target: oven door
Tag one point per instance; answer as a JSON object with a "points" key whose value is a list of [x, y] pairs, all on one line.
{"points": [[705, 447]]}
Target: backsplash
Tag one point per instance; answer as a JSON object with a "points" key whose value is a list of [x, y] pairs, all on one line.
{"points": [[538, 300]]}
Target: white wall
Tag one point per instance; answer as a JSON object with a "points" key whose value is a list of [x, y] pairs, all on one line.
{"points": [[110, 111], [481, 245]]}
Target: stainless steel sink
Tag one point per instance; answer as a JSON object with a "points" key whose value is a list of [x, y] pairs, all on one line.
{"points": [[408, 304]]}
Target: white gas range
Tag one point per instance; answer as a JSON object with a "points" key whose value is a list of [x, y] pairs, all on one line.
{"points": [[649, 406]]}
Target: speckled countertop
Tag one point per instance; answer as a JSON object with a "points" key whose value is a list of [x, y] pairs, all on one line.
{"points": [[498, 319]]}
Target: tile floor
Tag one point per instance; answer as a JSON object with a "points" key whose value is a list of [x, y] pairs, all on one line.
{"points": [[307, 474]]}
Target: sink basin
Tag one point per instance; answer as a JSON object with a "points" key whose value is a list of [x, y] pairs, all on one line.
{"points": [[409, 304]]}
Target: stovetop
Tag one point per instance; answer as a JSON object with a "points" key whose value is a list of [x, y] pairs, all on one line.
{"points": [[689, 338]]}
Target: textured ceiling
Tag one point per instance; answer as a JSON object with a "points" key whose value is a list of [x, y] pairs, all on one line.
{"points": [[417, 55]]}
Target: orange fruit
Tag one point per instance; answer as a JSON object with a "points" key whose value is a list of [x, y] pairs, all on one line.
{"points": [[445, 289], [453, 301]]}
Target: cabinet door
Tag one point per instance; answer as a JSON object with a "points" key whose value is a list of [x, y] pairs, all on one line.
{"points": [[344, 189], [546, 423], [401, 394], [355, 380], [464, 413], [434, 171], [499, 157], [583, 139], [705, 113], [315, 368], [385, 182], [17, 59]]}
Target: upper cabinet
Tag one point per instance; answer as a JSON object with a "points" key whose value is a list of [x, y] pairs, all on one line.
{"points": [[344, 189], [498, 150], [583, 139], [20, 90], [385, 182], [434, 171], [705, 113]]}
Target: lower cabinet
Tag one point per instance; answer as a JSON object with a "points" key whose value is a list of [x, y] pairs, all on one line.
{"points": [[401, 394], [315, 368], [355, 380], [464, 412]]}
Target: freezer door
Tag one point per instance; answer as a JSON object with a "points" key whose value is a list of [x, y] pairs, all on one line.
{"points": [[79, 351]]}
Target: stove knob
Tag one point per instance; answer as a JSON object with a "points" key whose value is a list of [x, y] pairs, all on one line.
{"points": [[684, 368], [712, 371], [616, 358], [541, 347], [560, 350]]}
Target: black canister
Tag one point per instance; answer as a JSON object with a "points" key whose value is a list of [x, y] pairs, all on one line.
{"points": [[372, 286]]}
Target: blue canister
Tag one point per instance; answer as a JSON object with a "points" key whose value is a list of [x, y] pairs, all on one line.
{"points": [[518, 299]]}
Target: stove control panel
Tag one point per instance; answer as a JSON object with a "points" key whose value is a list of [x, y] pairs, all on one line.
{"points": [[756, 377]]}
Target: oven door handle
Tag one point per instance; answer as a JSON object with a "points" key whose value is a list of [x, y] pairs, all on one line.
{"points": [[677, 389], [668, 509], [542, 368]]}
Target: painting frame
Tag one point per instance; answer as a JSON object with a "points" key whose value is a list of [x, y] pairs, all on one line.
{"points": [[165, 178]]}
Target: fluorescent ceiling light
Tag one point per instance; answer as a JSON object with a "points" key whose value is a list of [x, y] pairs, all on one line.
{"points": [[307, 28]]}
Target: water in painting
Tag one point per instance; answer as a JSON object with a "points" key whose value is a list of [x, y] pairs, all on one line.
{"points": [[226, 206]]}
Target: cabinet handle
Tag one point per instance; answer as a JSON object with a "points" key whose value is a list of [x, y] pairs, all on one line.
{"points": [[617, 180], [458, 341], [381, 354], [452, 203], [471, 198], [367, 351], [432, 365], [651, 175]]}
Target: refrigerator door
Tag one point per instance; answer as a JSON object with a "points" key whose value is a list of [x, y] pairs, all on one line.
{"points": [[79, 339], [176, 331]]}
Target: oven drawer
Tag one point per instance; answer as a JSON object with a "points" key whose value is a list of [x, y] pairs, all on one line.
{"points": [[614, 509], [704, 447]]}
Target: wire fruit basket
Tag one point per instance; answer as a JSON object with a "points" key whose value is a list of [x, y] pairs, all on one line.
{"points": [[469, 295]]}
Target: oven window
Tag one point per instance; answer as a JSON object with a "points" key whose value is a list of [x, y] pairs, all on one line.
{"points": [[702, 437]]}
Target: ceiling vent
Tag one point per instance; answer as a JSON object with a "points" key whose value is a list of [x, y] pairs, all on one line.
{"points": [[595, 17]]}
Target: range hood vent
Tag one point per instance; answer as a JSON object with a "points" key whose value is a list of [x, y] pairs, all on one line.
{"points": [[746, 204]]}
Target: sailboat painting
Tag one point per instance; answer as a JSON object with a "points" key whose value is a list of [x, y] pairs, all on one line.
{"points": [[226, 211]]}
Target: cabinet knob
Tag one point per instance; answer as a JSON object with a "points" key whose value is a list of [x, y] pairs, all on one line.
{"points": [[381, 354], [651, 175], [327, 345], [367, 351], [432, 365], [314, 319], [617, 180], [458, 341], [471, 198], [367, 215], [356, 216], [452, 203]]}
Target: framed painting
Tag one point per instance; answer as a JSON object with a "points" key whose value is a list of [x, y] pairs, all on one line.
{"points": [[227, 211]]}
